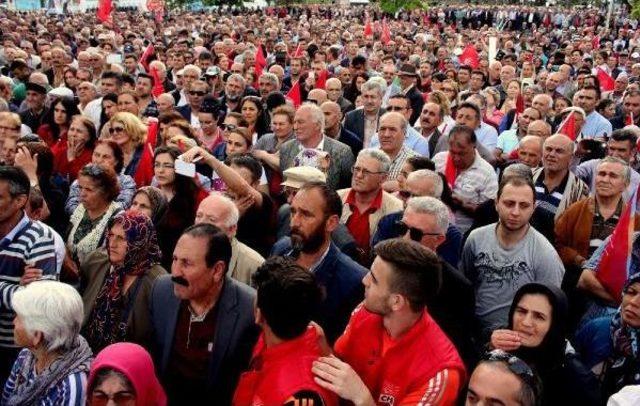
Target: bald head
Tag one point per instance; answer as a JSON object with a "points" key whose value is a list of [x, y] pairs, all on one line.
{"points": [[539, 128], [318, 96], [557, 152]]}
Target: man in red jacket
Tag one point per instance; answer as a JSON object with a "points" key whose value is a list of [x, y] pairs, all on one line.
{"points": [[392, 352], [280, 370]]}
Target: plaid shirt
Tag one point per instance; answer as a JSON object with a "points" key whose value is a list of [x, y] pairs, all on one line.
{"points": [[398, 162]]}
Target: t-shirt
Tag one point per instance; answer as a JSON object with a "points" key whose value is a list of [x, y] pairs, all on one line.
{"points": [[497, 273]]}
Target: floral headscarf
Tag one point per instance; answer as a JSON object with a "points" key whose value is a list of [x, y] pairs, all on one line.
{"points": [[107, 323]]}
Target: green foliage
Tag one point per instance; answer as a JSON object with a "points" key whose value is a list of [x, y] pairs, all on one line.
{"points": [[392, 6], [635, 8]]}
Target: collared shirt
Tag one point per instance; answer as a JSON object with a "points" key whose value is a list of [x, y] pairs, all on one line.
{"points": [[315, 266], [413, 140], [358, 223], [487, 136], [11, 234], [549, 200], [398, 162], [596, 126], [370, 129]]}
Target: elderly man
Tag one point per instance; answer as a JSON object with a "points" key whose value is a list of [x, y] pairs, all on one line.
{"points": [[595, 125], [507, 74], [582, 228], [335, 94], [268, 83], [530, 151], [472, 180], [87, 92], [365, 202], [199, 300], [190, 73], [393, 127], [317, 96], [485, 133], [556, 186], [166, 103], [412, 139], [630, 110], [308, 127], [364, 122], [34, 114], [222, 212], [430, 119], [233, 91], [333, 127], [408, 77], [196, 93], [622, 145]]}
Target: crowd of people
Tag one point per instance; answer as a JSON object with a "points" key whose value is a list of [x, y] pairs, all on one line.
{"points": [[318, 205]]}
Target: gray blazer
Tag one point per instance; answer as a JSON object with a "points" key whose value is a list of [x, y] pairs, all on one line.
{"points": [[354, 121], [235, 335], [342, 160]]}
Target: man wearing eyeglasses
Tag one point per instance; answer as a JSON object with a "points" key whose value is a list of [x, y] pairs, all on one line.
{"points": [[365, 202]]}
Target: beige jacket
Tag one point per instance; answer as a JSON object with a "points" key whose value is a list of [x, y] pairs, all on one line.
{"points": [[244, 262], [390, 204]]}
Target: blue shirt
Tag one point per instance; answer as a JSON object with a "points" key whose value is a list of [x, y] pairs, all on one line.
{"points": [[412, 140], [596, 125]]}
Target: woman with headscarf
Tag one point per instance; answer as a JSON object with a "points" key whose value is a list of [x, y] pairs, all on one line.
{"points": [[53, 366], [623, 366], [119, 281], [536, 333], [150, 201], [124, 372]]}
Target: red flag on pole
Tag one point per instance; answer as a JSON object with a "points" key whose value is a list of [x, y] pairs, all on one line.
{"points": [[105, 7], [298, 52], [295, 95], [469, 57], [613, 269], [606, 81], [385, 37], [568, 126], [450, 172], [520, 104], [260, 63], [144, 58], [368, 29], [158, 87]]}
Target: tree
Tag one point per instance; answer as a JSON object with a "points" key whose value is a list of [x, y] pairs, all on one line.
{"points": [[393, 6]]}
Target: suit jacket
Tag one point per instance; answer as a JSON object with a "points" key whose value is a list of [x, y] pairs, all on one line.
{"points": [[342, 160], [235, 335], [354, 121], [345, 105], [433, 142], [185, 111], [350, 139], [341, 278], [417, 101]]}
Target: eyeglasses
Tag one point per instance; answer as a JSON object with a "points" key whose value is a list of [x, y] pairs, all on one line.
{"points": [[197, 93], [414, 233], [365, 172], [229, 127], [100, 398], [516, 365], [113, 130]]}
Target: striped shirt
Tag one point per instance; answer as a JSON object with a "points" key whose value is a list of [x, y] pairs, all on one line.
{"points": [[398, 162], [27, 243], [549, 200], [70, 391]]}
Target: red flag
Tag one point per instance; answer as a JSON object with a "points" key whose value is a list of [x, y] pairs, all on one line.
{"points": [[450, 172], [321, 80], [595, 42], [613, 269], [158, 87], [295, 95], [469, 57], [606, 81], [629, 119], [260, 63], [144, 173], [298, 52], [520, 104], [568, 126], [368, 29], [385, 37], [105, 7], [144, 58]]}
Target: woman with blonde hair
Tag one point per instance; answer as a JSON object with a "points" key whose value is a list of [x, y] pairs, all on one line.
{"points": [[493, 115], [451, 90], [131, 135]]}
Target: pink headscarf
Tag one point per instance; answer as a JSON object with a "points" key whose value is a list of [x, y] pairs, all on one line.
{"points": [[136, 364]]}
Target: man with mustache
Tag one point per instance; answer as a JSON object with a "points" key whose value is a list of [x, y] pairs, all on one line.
{"points": [[315, 213], [204, 328]]}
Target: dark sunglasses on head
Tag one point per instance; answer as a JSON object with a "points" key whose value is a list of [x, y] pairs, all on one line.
{"points": [[414, 233], [515, 364]]}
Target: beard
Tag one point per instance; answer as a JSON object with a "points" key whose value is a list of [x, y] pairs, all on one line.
{"points": [[310, 243], [233, 97]]}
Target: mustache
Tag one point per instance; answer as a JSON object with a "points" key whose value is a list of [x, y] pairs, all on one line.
{"points": [[180, 280]]}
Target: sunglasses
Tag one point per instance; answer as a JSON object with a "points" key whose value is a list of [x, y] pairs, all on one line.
{"points": [[414, 233], [114, 130], [229, 127], [197, 93], [515, 364]]}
